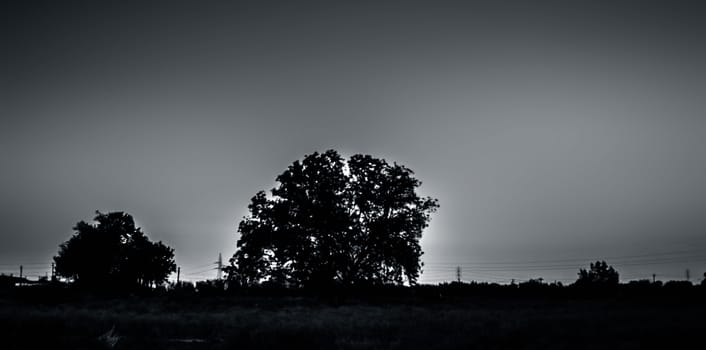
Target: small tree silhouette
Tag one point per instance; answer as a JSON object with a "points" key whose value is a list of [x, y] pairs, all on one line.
{"points": [[599, 275], [112, 252]]}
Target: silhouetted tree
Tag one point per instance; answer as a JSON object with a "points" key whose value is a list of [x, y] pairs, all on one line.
{"points": [[113, 252], [600, 274], [332, 221]]}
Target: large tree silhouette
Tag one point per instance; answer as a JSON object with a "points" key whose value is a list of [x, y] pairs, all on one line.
{"points": [[332, 221], [112, 252]]}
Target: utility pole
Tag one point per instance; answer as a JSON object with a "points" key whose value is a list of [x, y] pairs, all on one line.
{"points": [[219, 274], [53, 273], [21, 275], [178, 274], [458, 274]]}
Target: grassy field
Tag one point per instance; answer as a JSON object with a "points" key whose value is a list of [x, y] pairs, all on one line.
{"points": [[289, 322]]}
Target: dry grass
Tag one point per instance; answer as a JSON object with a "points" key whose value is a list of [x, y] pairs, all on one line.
{"points": [[259, 323]]}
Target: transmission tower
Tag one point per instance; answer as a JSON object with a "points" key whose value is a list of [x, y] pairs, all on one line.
{"points": [[219, 273]]}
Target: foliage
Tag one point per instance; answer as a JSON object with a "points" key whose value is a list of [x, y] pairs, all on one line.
{"points": [[600, 274], [113, 252], [332, 221], [211, 287]]}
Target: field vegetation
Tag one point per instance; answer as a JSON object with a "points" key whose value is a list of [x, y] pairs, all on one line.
{"points": [[450, 316]]}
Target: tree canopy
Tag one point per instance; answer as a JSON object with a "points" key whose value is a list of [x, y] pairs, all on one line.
{"points": [[334, 221], [113, 252], [600, 274]]}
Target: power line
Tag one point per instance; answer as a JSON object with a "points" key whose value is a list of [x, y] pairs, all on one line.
{"points": [[26, 264], [612, 258], [537, 265], [529, 266], [198, 272]]}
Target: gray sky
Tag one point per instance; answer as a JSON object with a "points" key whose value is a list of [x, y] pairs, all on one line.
{"points": [[552, 133]]}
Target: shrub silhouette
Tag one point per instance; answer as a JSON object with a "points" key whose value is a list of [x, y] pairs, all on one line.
{"points": [[112, 252], [334, 222]]}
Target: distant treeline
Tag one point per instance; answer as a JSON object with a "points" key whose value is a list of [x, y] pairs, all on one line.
{"points": [[455, 289], [599, 279], [59, 291]]}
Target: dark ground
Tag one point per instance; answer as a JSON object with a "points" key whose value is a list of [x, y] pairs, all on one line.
{"points": [[248, 322]]}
